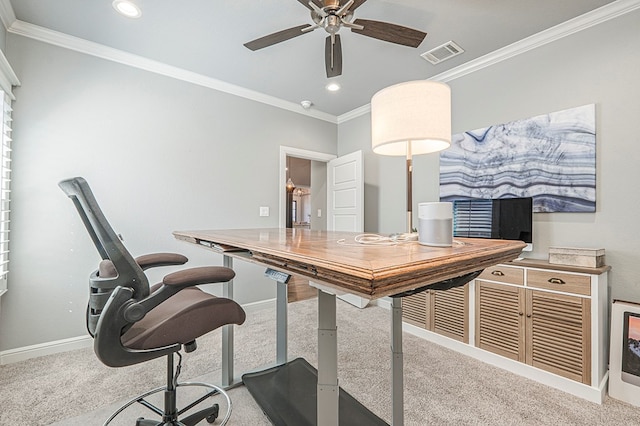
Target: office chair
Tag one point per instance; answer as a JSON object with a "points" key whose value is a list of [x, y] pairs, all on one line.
{"points": [[131, 322]]}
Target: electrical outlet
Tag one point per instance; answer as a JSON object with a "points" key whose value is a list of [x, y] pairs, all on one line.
{"points": [[264, 211]]}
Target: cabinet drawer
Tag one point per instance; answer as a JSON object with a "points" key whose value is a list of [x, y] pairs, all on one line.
{"points": [[503, 274], [551, 280]]}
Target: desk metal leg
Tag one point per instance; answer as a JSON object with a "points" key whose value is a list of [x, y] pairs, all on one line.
{"points": [[397, 362], [328, 390], [227, 332], [281, 323]]}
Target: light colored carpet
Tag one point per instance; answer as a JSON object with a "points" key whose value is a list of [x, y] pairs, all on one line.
{"points": [[442, 387]]}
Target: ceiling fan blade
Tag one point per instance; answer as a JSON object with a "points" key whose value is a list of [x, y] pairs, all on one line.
{"points": [[317, 3], [390, 32], [333, 56], [356, 4], [274, 38]]}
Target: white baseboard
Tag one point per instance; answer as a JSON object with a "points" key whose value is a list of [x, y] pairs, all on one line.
{"points": [[260, 305], [383, 302], [21, 354], [57, 346], [352, 299]]}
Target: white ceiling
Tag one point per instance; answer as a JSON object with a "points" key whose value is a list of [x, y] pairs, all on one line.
{"points": [[206, 37]]}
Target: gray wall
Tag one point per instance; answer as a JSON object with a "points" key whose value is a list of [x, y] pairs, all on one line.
{"points": [[599, 65], [163, 155], [3, 37], [386, 179], [160, 154], [318, 195]]}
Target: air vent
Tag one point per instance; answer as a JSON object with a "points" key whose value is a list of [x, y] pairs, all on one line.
{"points": [[443, 52]]}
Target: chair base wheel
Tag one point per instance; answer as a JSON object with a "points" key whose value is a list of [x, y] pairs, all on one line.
{"points": [[211, 418], [210, 414]]}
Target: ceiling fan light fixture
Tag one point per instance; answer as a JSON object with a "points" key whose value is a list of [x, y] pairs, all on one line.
{"points": [[332, 15], [333, 86], [127, 8]]}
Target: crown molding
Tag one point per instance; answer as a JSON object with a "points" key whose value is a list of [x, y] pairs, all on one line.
{"points": [[565, 29], [7, 16], [585, 21], [8, 78], [77, 44], [354, 113]]}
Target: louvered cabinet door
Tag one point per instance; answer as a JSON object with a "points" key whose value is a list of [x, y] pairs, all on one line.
{"points": [[451, 313], [414, 309], [500, 325], [558, 334]]}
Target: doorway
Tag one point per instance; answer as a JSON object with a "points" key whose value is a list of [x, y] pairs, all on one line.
{"points": [[317, 190], [304, 203], [300, 200]]}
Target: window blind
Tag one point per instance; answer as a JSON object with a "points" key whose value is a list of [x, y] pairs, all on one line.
{"points": [[472, 218], [5, 190]]}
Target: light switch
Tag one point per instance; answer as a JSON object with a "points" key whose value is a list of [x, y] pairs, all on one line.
{"points": [[264, 211], [319, 212]]}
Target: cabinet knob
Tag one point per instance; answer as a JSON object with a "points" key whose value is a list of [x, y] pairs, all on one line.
{"points": [[555, 281], [497, 273], [528, 315], [521, 313]]}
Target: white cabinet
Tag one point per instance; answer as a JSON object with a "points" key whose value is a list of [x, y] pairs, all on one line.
{"points": [[544, 321]]}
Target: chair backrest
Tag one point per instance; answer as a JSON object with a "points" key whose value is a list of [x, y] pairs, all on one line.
{"points": [[127, 271]]}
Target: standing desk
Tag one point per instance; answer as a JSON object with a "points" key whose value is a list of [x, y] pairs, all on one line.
{"points": [[339, 264]]}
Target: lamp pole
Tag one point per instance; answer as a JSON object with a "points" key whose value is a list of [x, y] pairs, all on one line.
{"points": [[409, 188], [408, 119]]}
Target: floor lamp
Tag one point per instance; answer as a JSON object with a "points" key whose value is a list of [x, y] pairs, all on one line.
{"points": [[410, 119]]}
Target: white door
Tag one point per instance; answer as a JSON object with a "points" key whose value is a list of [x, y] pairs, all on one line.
{"points": [[345, 202], [345, 193]]}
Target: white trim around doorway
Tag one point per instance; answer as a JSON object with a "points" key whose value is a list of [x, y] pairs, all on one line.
{"points": [[298, 153]]}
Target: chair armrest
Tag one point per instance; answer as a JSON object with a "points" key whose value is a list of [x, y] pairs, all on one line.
{"points": [[175, 282], [160, 259], [195, 276]]}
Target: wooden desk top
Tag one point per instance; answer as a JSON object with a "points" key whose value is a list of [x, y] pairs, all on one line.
{"points": [[369, 271]]}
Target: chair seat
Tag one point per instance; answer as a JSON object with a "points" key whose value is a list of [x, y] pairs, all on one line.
{"points": [[182, 318]]}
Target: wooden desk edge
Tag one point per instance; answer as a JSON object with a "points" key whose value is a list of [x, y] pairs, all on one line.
{"points": [[370, 287]]}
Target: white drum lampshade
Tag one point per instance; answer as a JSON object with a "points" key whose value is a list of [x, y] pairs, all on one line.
{"points": [[415, 115]]}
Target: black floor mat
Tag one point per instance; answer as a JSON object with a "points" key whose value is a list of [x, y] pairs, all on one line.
{"points": [[287, 395]]}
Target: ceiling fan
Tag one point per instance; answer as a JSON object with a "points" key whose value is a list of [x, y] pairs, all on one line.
{"points": [[332, 16]]}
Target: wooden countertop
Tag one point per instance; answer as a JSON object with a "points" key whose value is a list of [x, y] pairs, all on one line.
{"points": [[543, 264], [369, 271]]}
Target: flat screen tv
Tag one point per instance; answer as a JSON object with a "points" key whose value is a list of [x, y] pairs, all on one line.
{"points": [[499, 218]]}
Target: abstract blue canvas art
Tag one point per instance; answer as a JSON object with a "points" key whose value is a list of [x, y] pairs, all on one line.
{"points": [[551, 157]]}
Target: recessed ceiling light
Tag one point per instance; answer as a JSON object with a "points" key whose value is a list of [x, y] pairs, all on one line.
{"points": [[127, 8], [333, 87]]}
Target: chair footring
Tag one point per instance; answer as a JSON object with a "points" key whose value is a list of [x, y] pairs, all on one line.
{"points": [[209, 413]]}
